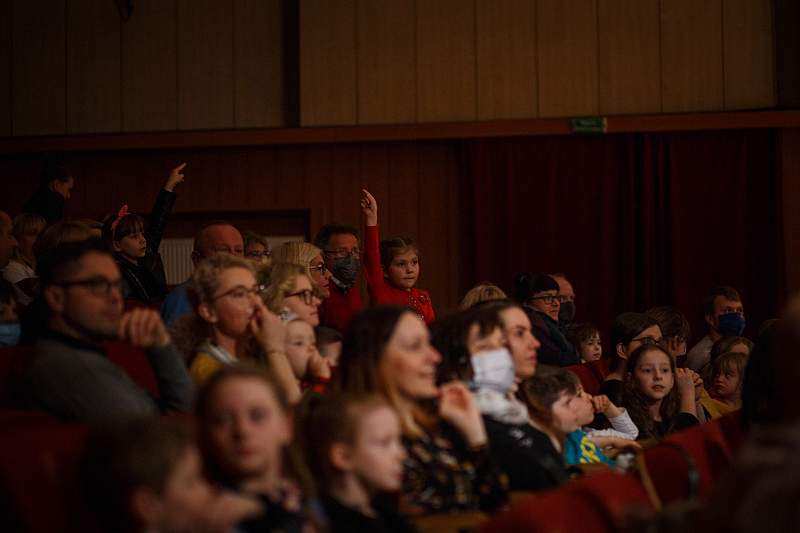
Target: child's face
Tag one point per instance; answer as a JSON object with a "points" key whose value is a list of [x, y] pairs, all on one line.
{"points": [[301, 345], [565, 420], [591, 349], [186, 496], [727, 384], [247, 428], [653, 375], [331, 352], [403, 271], [477, 343], [133, 246], [582, 406], [378, 453]]}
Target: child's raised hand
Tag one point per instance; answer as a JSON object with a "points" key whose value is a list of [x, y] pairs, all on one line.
{"points": [[698, 382], [175, 177], [684, 381], [370, 208], [457, 406]]}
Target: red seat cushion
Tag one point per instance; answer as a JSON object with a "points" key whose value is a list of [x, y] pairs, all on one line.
{"points": [[134, 362]]}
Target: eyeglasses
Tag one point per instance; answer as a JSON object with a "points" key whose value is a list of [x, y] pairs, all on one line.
{"points": [[647, 341], [241, 293], [307, 295], [549, 300], [565, 299], [98, 285], [320, 268], [342, 253], [259, 255]]}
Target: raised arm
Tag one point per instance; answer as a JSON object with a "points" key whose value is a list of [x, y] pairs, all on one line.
{"points": [[162, 209], [372, 252]]}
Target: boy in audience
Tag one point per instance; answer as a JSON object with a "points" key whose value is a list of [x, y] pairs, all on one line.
{"points": [[70, 375], [724, 314]]}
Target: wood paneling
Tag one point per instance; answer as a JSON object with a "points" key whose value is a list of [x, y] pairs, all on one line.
{"points": [[39, 67], [506, 51], [258, 63], [5, 69], [446, 61], [93, 67], [328, 79], [629, 57], [691, 55], [749, 58], [150, 68], [567, 49], [387, 69], [789, 142], [205, 64]]}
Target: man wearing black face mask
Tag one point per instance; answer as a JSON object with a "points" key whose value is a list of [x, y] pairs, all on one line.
{"points": [[566, 295], [339, 243], [725, 318]]}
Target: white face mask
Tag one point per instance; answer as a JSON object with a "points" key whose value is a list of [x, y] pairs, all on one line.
{"points": [[493, 369]]}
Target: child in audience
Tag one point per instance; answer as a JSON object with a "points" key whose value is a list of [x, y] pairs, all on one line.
{"points": [[586, 339], [21, 269], [245, 436], [484, 292], [725, 394], [329, 344], [356, 453], [630, 331], [147, 476], [291, 294], [659, 397], [392, 269], [10, 330], [135, 244], [549, 395], [309, 367]]}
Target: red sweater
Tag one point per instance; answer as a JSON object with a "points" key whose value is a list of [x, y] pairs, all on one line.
{"points": [[338, 309], [381, 291]]}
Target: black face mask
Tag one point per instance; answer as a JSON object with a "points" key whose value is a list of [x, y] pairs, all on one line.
{"points": [[346, 270], [566, 314]]}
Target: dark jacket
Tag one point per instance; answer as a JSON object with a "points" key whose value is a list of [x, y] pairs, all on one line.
{"points": [[555, 349], [47, 203], [343, 519]]}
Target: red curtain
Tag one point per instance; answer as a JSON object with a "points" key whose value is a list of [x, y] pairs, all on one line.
{"points": [[634, 220]]}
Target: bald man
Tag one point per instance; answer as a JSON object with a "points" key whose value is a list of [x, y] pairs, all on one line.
{"points": [[214, 237], [7, 240]]}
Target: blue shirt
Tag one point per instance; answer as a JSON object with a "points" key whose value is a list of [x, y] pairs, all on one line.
{"points": [[176, 304], [579, 450]]}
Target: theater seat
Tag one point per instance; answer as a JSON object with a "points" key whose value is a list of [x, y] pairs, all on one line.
{"points": [[13, 362], [134, 362], [591, 374]]}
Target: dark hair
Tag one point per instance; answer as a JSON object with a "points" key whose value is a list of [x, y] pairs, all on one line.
{"points": [[764, 400], [126, 456], [127, 225], [55, 264], [723, 290], [6, 293], [450, 336], [727, 361], [61, 232], [527, 285], [54, 169], [394, 246], [638, 404], [544, 389], [580, 333], [725, 344], [672, 322], [626, 328], [323, 237], [327, 335]]}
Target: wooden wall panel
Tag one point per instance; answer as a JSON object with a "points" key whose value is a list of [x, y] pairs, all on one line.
{"points": [[789, 142], [387, 62], [328, 78], [205, 64], [691, 56], [567, 49], [749, 54], [258, 63], [5, 69], [39, 79], [150, 68], [629, 57], [93, 67], [446, 61], [506, 52]]}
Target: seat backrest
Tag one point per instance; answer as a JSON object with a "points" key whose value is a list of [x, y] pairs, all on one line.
{"points": [[134, 362], [588, 378], [13, 362]]}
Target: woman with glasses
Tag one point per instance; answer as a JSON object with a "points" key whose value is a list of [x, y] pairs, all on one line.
{"points": [[291, 294], [257, 249], [309, 257], [231, 323], [538, 295]]}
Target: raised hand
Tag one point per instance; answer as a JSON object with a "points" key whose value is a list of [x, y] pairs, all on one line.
{"points": [[267, 328], [175, 177], [684, 381], [318, 366], [370, 208], [143, 328], [457, 406]]}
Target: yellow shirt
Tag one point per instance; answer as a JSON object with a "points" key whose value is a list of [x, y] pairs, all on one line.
{"points": [[203, 367], [716, 408]]}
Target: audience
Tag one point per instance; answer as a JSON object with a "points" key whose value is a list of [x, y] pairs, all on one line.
{"points": [[309, 257], [727, 375], [55, 188], [675, 331], [309, 367], [566, 299], [329, 344], [8, 242], [724, 315], [518, 335], [10, 330], [339, 244], [21, 269], [70, 375], [630, 331], [483, 292], [291, 294], [257, 249], [586, 339]]}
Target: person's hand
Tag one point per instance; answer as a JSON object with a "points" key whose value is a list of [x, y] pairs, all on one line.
{"points": [[175, 177], [226, 510], [684, 381], [370, 208], [143, 328], [268, 329], [698, 382], [603, 405], [616, 445], [318, 367], [457, 406]]}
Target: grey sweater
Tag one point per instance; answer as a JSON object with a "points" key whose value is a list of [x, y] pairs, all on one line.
{"points": [[76, 381]]}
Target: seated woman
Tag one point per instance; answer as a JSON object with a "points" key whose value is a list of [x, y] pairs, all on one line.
{"points": [[231, 324], [659, 397], [483, 292], [449, 468], [538, 294], [474, 350], [291, 294], [310, 258]]}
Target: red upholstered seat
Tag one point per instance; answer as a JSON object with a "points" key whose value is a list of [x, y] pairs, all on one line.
{"points": [[591, 374], [134, 361]]}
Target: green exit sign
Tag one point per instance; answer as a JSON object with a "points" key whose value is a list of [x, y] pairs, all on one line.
{"points": [[588, 125]]}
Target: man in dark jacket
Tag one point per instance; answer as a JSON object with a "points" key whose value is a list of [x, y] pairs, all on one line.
{"points": [[54, 190]]}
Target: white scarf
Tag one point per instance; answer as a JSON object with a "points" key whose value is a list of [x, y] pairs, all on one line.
{"points": [[501, 407]]}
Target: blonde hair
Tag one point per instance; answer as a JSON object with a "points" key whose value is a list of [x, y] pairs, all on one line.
{"points": [[61, 232], [25, 224], [283, 281], [205, 280], [297, 253], [481, 293]]}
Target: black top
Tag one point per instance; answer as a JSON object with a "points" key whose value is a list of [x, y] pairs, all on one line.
{"points": [[665, 427], [47, 203], [555, 349], [275, 518], [526, 454], [343, 519], [613, 389]]}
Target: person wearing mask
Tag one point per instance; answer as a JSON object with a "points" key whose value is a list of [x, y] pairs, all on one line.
{"points": [[340, 246], [724, 315], [566, 297]]}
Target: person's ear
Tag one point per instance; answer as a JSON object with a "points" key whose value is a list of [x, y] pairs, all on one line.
{"points": [[146, 508], [54, 297], [340, 456], [207, 313], [621, 351]]}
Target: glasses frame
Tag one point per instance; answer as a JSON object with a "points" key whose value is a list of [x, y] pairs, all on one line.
{"points": [[93, 285], [257, 290]]}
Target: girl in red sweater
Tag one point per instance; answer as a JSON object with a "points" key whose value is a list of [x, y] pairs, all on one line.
{"points": [[392, 266]]}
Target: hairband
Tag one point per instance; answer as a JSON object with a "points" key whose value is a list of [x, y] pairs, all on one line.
{"points": [[123, 212]]}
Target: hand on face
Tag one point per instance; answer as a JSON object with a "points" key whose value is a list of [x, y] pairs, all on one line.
{"points": [[143, 328], [267, 328], [457, 406], [684, 380]]}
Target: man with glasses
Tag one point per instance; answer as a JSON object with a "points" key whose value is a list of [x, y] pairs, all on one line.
{"points": [[340, 246], [566, 297], [538, 294], [70, 375]]}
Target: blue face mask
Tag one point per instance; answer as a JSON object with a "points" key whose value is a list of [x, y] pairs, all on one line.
{"points": [[10, 334], [731, 324]]}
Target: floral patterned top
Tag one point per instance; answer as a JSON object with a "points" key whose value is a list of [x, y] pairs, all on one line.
{"points": [[442, 474]]}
